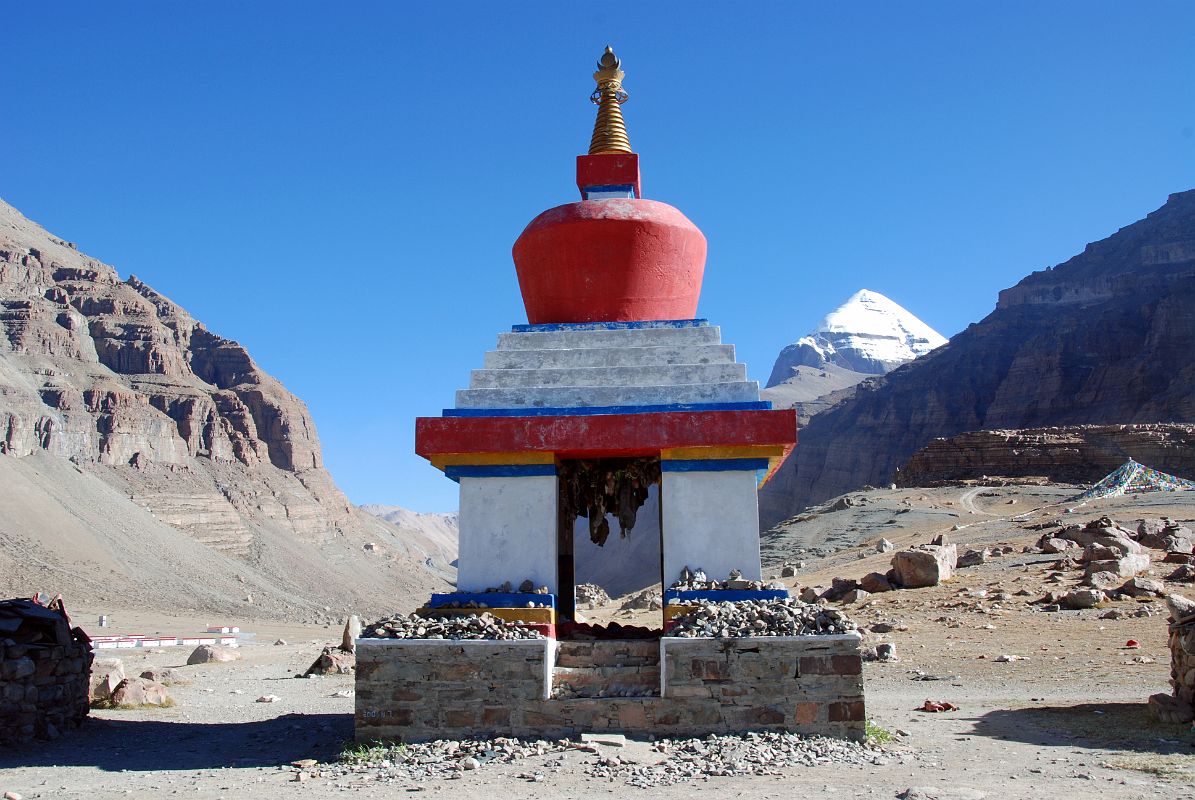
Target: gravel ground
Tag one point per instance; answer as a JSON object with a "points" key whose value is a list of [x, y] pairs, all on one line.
{"points": [[1066, 719]]}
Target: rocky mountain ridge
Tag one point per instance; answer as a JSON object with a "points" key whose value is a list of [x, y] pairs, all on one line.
{"points": [[1104, 338], [124, 383]]}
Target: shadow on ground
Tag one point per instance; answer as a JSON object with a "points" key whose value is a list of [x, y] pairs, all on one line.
{"points": [[114, 744], [1111, 726]]}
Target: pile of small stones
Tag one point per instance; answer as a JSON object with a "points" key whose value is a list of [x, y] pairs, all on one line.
{"points": [[443, 758], [471, 626], [696, 580], [747, 754], [648, 599], [787, 617], [674, 761], [591, 595]]}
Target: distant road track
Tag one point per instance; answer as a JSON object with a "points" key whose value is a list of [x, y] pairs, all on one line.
{"points": [[967, 500]]}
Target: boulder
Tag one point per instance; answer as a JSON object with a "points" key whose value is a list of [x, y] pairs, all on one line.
{"points": [[1052, 544], [810, 594], [927, 565], [1184, 574], [106, 675], [1102, 580], [1125, 567], [1148, 528], [1084, 598], [140, 692], [788, 571], [1180, 544], [875, 582], [839, 587], [973, 558], [1105, 532], [1099, 552], [160, 675], [855, 596], [212, 653], [884, 546], [1142, 587], [333, 661]]}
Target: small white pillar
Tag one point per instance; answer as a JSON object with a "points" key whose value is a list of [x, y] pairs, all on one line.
{"points": [[507, 532], [711, 522]]}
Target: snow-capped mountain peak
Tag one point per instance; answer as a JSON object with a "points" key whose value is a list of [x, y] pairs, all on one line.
{"points": [[868, 334]]}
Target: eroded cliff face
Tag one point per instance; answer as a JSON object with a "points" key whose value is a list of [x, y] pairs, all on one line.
{"points": [[1077, 454], [125, 384], [1105, 338]]}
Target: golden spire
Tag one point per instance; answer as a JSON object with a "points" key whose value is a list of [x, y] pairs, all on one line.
{"points": [[609, 131]]}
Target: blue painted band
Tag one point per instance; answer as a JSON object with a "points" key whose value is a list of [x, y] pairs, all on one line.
{"points": [[714, 465], [589, 411], [627, 188], [610, 326], [724, 595], [492, 599], [499, 471]]}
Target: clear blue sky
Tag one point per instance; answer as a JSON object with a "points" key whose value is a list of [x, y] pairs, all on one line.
{"points": [[338, 185]]}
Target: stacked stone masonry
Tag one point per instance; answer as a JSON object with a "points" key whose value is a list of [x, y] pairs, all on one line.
{"points": [[1182, 663], [417, 690], [43, 689]]}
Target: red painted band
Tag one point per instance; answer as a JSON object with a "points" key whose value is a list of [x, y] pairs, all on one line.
{"points": [[604, 435]]}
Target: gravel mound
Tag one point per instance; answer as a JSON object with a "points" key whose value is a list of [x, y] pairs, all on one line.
{"points": [[470, 626], [788, 617]]}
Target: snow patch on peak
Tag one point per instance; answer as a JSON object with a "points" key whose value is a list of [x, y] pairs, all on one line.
{"points": [[869, 333]]}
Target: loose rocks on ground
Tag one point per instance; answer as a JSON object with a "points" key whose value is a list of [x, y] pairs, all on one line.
{"points": [[673, 761], [469, 626], [786, 617]]}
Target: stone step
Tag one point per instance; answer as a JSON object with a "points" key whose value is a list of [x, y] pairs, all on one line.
{"points": [[608, 653], [628, 681], [600, 396], [610, 356], [620, 338], [661, 375]]}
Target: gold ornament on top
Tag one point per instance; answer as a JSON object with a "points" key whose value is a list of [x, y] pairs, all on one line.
{"points": [[609, 130]]}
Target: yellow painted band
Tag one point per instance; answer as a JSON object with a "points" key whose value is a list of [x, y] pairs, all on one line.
{"points": [[741, 451], [441, 460]]}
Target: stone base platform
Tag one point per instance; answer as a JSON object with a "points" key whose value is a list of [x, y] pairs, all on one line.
{"points": [[415, 690]]}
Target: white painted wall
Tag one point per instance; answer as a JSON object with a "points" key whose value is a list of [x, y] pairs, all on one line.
{"points": [[711, 521], [508, 532]]}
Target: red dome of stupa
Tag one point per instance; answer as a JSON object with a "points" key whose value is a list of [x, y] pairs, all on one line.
{"points": [[613, 257]]}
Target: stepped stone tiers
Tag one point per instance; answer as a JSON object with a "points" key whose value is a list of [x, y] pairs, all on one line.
{"points": [[663, 389], [613, 387]]}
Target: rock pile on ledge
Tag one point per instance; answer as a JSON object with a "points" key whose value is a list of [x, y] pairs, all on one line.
{"points": [[696, 580], [787, 617], [471, 626]]}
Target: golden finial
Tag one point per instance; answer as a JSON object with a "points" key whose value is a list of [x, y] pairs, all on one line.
{"points": [[609, 131]]}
